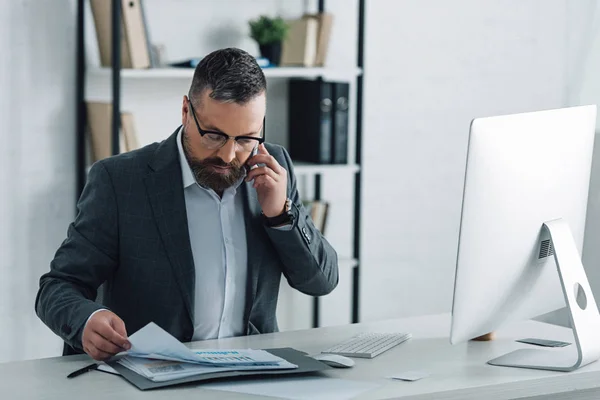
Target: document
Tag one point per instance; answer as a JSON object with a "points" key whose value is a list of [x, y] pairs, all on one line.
{"points": [[161, 370], [158, 356]]}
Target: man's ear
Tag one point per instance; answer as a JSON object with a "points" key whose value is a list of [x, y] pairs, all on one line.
{"points": [[185, 109]]}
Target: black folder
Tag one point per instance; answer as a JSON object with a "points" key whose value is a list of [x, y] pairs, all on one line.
{"points": [[310, 119], [341, 93], [305, 365]]}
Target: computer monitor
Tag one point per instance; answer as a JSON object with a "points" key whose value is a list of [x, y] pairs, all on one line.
{"points": [[521, 232]]}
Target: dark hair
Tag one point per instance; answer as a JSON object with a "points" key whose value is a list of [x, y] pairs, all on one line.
{"points": [[232, 74]]}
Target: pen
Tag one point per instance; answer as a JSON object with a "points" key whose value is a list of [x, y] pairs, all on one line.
{"points": [[82, 370]]}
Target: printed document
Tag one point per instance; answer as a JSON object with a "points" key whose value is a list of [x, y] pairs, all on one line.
{"points": [[158, 356]]}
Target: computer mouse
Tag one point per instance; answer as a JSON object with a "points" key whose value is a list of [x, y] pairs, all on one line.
{"points": [[335, 360]]}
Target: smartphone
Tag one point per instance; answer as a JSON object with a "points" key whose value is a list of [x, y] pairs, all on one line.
{"points": [[248, 167]]}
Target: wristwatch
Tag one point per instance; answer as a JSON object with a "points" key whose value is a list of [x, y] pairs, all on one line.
{"points": [[286, 217]]}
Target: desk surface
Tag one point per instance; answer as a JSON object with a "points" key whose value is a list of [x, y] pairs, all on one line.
{"points": [[456, 372]]}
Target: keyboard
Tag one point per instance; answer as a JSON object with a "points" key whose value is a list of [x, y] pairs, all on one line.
{"points": [[368, 345]]}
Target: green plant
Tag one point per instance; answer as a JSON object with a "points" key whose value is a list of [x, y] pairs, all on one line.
{"points": [[267, 30]]}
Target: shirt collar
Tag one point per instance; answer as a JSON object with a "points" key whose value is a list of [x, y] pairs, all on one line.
{"points": [[186, 171]]}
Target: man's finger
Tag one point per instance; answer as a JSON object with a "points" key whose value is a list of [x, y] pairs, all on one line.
{"points": [[263, 180], [107, 332], [266, 159], [104, 345], [96, 354], [261, 171], [262, 149]]}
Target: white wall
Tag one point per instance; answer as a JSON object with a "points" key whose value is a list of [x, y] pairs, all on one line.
{"points": [[431, 67], [37, 199]]}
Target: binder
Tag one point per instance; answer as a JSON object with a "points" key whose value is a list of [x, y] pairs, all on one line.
{"points": [[100, 129], [135, 52], [129, 132], [101, 12], [341, 95], [135, 33], [317, 210], [325, 23], [300, 46], [310, 119]]}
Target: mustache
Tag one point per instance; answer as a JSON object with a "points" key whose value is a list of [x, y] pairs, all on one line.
{"points": [[214, 162], [217, 162]]}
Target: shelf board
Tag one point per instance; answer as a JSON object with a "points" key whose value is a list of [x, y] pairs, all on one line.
{"points": [[188, 73], [302, 168]]}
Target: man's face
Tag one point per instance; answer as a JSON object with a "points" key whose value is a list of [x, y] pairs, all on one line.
{"points": [[219, 168]]}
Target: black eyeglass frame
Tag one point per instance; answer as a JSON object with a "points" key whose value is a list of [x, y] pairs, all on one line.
{"points": [[259, 140]]}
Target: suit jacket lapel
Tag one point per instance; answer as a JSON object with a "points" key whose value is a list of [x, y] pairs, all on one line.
{"points": [[255, 243], [165, 191]]}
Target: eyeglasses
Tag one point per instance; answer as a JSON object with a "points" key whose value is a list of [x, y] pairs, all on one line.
{"points": [[213, 140]]}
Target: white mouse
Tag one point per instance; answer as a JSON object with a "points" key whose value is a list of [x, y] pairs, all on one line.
{"points": [[335, 360]]}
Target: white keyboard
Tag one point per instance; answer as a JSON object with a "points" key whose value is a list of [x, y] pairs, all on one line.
{"points": [[368, 345]]}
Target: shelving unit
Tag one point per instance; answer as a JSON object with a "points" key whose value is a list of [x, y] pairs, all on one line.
{"points": [[115, 74]]}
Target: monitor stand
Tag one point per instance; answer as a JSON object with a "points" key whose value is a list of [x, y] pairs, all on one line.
{"points": [[581, 306]]}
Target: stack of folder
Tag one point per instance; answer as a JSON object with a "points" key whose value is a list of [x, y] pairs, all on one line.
{"points": [[157, 359], [307, 41], [318, 121], [318, 213], [99, 116], [135, 38]]}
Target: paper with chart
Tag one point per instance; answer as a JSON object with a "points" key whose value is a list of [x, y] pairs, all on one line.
{"points": [[163, 370], [158, 356]]}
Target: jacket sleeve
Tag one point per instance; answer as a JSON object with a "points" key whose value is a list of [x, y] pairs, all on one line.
{"points": [[310, 264], [86, 259]]}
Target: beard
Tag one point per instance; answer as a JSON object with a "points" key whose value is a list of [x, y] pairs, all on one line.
{"points": [[205, 173]]}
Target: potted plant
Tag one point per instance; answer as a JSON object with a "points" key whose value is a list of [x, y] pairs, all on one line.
{"points": [[269, 33]]}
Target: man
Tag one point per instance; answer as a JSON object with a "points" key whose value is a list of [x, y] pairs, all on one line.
{"points": [[192, 233]]}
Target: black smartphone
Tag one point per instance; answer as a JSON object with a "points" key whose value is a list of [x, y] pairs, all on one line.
{"points": [[252, 154]]}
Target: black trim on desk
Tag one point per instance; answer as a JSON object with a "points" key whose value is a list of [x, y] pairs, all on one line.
{"points": [[116, 74], [80, 174], [357, 180]]}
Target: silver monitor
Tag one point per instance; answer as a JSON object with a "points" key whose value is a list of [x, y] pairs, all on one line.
{"points": [[521, 232]]}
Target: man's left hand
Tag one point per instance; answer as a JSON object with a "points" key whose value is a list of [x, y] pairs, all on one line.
{"points": [[270, 182]]}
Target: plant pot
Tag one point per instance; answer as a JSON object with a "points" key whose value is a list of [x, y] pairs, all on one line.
{"points": [[271, 51]]}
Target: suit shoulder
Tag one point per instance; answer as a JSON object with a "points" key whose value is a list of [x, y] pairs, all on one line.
{"points": [[279, 152], [132, 161]]}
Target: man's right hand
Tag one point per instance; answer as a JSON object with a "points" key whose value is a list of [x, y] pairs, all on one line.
{"points": [[104, 335]]}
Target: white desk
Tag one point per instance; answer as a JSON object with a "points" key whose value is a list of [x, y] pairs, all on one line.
{"points": [[457, 372]]}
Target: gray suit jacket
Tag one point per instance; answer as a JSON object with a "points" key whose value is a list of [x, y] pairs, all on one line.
{"points": [[130, 235]]}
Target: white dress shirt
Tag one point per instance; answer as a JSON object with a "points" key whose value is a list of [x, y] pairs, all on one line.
{"points": [[218, 239]]}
